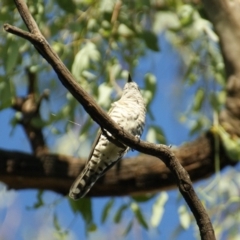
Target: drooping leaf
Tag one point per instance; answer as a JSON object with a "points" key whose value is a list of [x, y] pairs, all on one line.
{"points": [[150, 88], [38, 122], [60, 234], [217, 100], [84, 208], [68, 6], [151, 40], [158, 209], [104, 95], [184, 217], [198, 100], [12, 56], [92, 227], [5, 93], [155, 135], [231, 143], [39, 202], [138, 214], [202, 122], [106, 210], [118, 216], [88, 53], [186, 13], [128, 229]]}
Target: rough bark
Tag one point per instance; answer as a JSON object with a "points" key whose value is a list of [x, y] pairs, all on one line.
{"points": [[138, 175], [225, 17]]}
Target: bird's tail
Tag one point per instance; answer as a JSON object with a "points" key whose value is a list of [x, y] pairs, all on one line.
{"points": [[83, 183]]}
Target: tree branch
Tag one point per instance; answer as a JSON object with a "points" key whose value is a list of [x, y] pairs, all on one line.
{"points": [[160, 151], [29, 107], [138, 175], [225, 17]]}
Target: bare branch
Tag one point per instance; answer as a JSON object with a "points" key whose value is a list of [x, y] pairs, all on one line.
{"points": [[21, 33]]}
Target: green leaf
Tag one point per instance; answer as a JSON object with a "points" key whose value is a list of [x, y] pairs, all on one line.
{"points": [[92, 227], [119, 213], [38, 122], [158, 209], [68, 6], [184, 217], [125, 30], [56, 223], [60, 234], [198, 100], [5, 93], [196, 127], [217, 100], [83, 207], [150, 88], [143, 198], [129, 227], [231, 144], [151, 40], [155, 135], [88, 53], [106, 210], [186, 13], [138, 214], [104, 95], [202, 122], [12, 56], [39, 202], [150, 83]]}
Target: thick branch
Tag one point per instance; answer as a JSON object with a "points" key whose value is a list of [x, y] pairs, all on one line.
{"points": [[138, 175], [160, 151], [225, 17]]}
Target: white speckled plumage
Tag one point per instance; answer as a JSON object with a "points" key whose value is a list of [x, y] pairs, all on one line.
{"points": [[129, 113]]}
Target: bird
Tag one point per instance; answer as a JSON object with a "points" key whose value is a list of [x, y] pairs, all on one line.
{"points": [[129, 112]]}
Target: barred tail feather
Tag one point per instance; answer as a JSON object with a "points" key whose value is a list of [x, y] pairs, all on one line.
{"points": [[83, 183], [89, 176]]}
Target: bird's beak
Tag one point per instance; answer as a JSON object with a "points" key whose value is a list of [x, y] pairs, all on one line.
{"points": [[129, 78]]}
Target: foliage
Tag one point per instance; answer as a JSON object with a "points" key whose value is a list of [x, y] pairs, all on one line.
{"points": [[100, 41]]}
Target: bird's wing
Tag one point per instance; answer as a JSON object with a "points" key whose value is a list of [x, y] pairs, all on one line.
{"points": [[94, 144], [99, 133]]}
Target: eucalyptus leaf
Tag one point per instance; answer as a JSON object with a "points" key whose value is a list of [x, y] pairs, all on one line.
{"points": [[68, 6], [158, 209], [119, 213], [198, 100], [106, 210], [5, 93], [184, 217], [151, 40], [128, 229], [155, 135], [138, 214], [84, 208], [12, 56], [40, 202]]}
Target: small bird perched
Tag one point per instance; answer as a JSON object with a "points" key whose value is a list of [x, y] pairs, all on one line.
{"points": [[129, 113]]}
